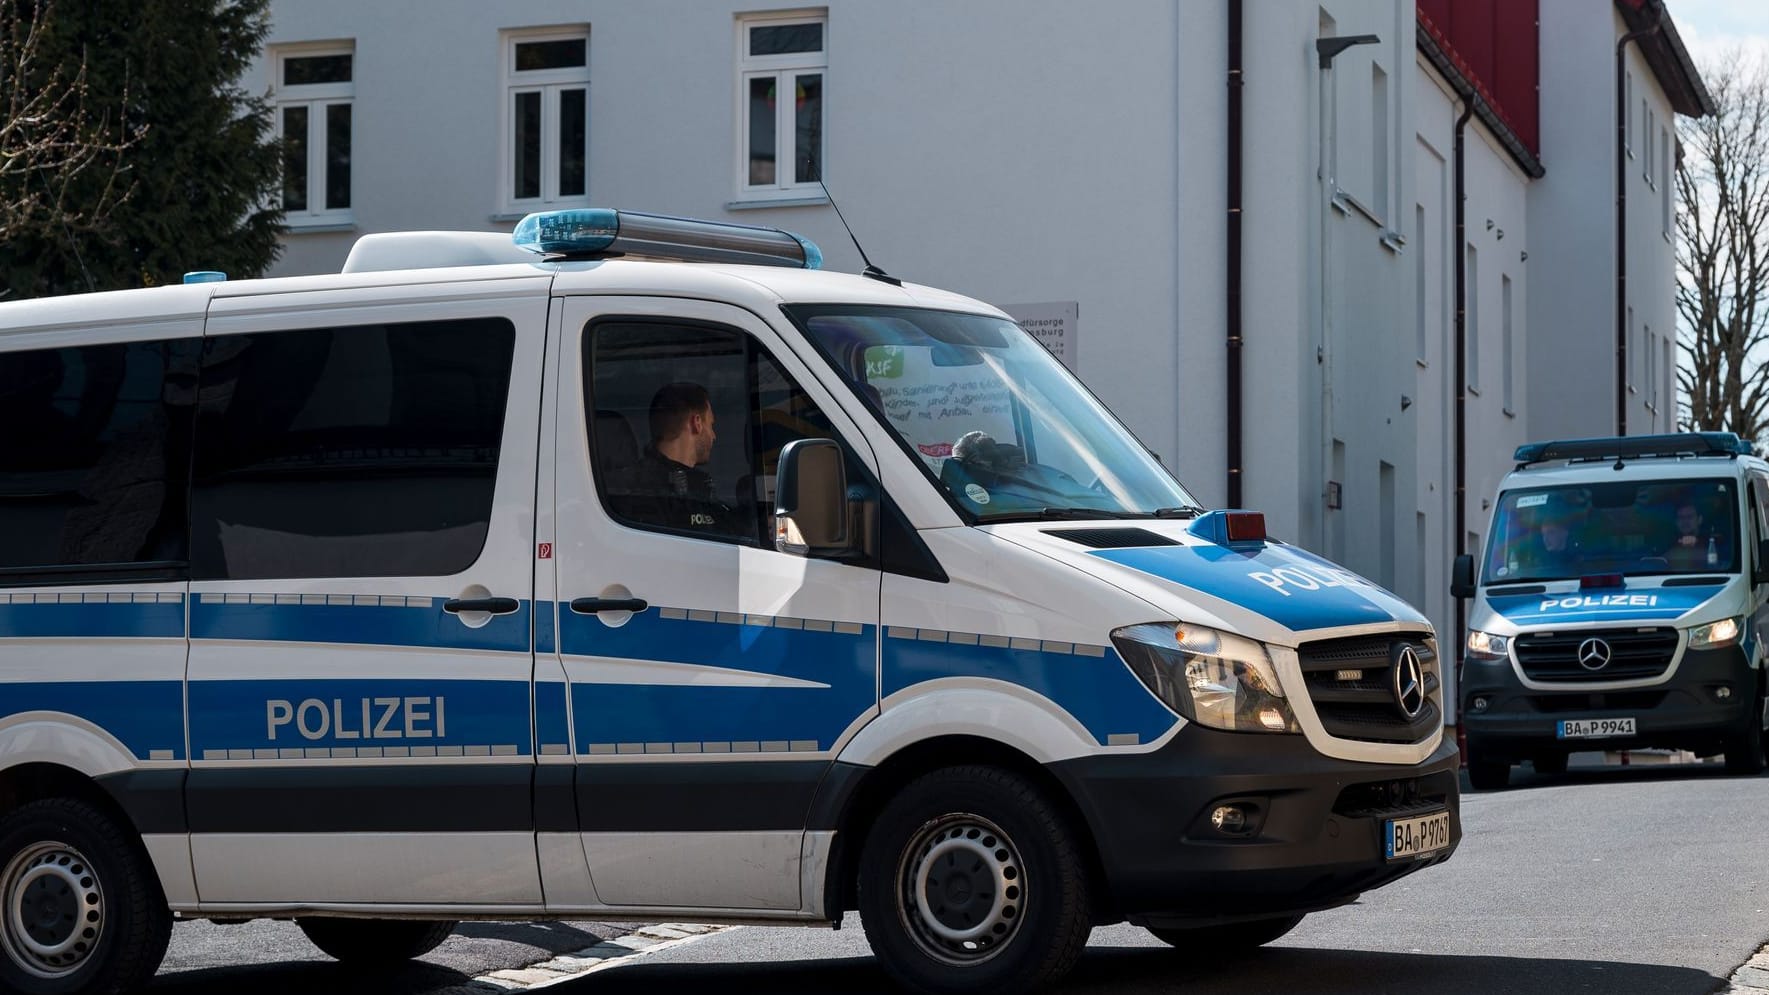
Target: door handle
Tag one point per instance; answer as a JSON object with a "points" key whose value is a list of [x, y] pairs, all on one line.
{"points": [[492, 606], [591, 606]]}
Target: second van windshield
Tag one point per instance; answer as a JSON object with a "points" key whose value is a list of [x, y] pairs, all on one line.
{"points": [[1625, 527]]}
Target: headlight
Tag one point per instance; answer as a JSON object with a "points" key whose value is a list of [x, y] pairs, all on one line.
{"points": [[1714, 634], [1488, 646], [1215, 678]]}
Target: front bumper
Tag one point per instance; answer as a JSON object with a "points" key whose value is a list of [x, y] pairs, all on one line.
{"points": [[1317, 840], [1681, 713]]}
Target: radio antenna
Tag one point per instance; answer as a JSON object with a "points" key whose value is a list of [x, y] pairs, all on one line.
{"points": [[871, 272]]}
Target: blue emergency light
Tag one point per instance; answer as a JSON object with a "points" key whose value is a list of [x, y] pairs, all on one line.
{"points": [[1633, 447], [205, 276], [601, 231], [1231, 528]]}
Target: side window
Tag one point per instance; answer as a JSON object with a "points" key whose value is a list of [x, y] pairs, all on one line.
{"points": [[94, 472], [315, 93], [1760, 505], [687, 423], [364, 451]]}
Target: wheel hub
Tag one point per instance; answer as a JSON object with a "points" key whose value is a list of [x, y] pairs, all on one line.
{"points": [[964, 889], [53, 911]]}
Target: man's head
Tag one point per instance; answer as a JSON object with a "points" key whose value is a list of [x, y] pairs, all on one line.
{"points": [[1554, 534], [1688, 519], [682, 423]]}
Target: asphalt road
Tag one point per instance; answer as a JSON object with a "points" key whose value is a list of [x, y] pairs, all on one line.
{"points": [[1622, 880]]}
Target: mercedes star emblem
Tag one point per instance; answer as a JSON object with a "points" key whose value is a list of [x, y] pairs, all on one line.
{"points": [[1593, 654], [1409, 683]]}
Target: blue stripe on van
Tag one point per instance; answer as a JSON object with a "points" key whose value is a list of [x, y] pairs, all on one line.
{"points": [[351, 714], [92, 620], [552, 726], [1100, 692], [364, 624], [669, 713], [144, 715], [543, 626]]}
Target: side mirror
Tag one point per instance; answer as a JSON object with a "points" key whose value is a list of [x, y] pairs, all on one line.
{"points": [[1760, 569], [811, 499], [1462, 577]]}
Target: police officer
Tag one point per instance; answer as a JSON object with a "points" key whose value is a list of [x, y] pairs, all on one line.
{"points": [[667, 487]]}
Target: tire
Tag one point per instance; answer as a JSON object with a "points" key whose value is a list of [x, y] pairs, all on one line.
{"points": [[1549, 763], [1488, 775], [81, 909], [1744, 752], [1228, 939], [376, 942], [972, 881]]}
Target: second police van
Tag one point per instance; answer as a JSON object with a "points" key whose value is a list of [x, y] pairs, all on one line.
{"points": [[639, 570], [1620, 604]]}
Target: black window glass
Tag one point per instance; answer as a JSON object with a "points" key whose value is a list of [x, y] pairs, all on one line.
{"points": [[687, 422], [295, 158], [538, 55], [527, 123], [785, 39], [349, 452], [309, 69], [337, 157], [94, 470]]}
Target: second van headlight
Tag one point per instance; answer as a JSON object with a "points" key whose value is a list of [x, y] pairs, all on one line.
{"points": [[1214, 678]]}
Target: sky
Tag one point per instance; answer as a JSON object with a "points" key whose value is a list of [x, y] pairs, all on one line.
{"points": [[1709, 27]]}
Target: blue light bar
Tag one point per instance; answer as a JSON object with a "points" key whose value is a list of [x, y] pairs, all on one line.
{"points": [[1634, 447], [205, 276], [600, 231]]}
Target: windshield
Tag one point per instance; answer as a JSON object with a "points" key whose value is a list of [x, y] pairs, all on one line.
{"points": [[991, 415], [1626, 527]]}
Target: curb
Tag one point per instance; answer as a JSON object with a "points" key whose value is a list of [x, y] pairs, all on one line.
{"points": [[1750, 979], [608, 953]]}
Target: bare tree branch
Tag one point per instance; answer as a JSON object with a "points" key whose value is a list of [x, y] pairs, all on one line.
{"points": [[48, 136]]}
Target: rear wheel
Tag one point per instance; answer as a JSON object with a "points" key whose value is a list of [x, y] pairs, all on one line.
{"points": [[971, 880], [376, 941], [1228, 939], [1487, 774], [80, 908], [1549, 763], [1745, 752]]}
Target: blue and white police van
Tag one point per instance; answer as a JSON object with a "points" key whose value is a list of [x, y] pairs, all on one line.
{"points": [[1620, 604], [637, 569]]}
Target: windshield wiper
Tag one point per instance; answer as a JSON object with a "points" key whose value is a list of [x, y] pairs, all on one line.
{"points": [[1055, 515], [1183, 511]]}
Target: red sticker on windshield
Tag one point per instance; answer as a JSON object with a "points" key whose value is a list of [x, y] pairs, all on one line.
{"points": [[940, 450]]}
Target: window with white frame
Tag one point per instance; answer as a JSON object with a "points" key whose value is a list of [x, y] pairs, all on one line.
{"points": [[546, 118], [782, 60], [1665, 178], [315, 92]]}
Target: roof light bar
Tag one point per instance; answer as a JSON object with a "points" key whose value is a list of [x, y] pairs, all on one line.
{"points": [[1634, 447], [600, 231]]}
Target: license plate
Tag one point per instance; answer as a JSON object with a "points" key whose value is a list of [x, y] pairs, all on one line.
{"points": [[1593, 728], [1417, 836]]}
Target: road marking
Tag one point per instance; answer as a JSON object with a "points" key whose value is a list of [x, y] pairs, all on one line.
{"points": [[609, 953]]}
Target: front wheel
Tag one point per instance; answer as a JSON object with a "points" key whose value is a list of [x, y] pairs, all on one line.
{"points": [[1228, 939], [80, 908], [370, 942], [972, 881], [1745, 752]]}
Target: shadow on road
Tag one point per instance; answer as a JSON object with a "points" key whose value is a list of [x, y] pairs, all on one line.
{"points": [[1128, 970], [1524, 776], [307, 978]]}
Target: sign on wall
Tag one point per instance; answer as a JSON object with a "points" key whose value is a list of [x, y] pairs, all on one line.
{"points": [[1052, 323]]}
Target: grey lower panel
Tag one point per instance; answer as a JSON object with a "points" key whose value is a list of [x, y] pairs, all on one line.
{"points": [[377, 868]]}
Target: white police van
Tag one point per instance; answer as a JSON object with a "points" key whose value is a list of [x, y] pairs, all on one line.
{"points": [[1620, 604], [654, 576]]}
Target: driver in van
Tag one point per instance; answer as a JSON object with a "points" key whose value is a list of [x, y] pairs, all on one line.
{"points": [[666, 486], [1690, 549]]}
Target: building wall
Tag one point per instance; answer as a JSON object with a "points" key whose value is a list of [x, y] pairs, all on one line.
{"points": [[1573, 247]]}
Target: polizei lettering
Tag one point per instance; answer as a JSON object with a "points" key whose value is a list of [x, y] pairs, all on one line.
{"points": [[1601, 601], [357, 718], [1306, 578]]}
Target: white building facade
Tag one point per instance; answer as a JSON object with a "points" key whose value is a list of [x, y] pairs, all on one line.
{"points": [[1043, 152]]}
